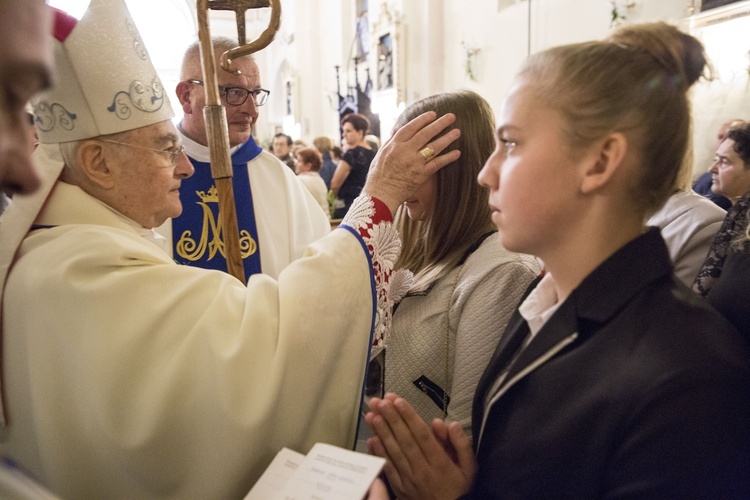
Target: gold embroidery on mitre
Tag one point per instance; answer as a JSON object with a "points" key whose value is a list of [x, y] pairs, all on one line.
{"points": [[188, 249]]}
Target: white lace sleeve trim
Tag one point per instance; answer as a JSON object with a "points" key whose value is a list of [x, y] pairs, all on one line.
{"points": [[383, 243]]}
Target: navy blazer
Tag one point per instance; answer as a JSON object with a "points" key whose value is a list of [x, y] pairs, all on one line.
{"points": [[635, 388]]}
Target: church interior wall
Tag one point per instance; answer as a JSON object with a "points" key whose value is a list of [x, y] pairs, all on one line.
{"points": [[437, 36], [442, 45]]}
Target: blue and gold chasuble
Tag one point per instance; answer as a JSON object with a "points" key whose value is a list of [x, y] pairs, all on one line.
{"points": [[197, 237]]}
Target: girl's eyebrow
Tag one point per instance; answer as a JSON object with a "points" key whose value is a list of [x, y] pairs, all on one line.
{"points": [[503, 128]]}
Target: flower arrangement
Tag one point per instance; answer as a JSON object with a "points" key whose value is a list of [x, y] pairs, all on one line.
{"points": [[471, 52], [619, 11]]}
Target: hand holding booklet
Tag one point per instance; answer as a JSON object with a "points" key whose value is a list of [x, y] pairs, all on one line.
{"points": [[327, 472]]}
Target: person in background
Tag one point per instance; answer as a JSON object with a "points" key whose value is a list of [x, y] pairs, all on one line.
{"points": [[25, 63], [297, 144], [688, 224], [336, 154], [703, 183], [276, 215], [31, 130], [282, 149], [308, 170], [730, 170], [323, 145], [171, 380], [466, 285], [725, 276], [26, 67], [32, 140], [688, 221], [613, 379], [351, 171], [373, 141]]}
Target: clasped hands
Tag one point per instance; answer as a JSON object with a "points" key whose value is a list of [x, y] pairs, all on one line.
{"points": [[421, 461]]}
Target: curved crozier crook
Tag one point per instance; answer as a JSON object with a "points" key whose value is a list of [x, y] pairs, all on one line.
{"points": [[262, 42]]}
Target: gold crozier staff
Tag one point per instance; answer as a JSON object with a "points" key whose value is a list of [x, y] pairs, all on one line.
{"points": [[216, 122]]}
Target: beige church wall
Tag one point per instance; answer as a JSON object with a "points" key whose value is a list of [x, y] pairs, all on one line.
{"points": [[501, 37], [724, 33], [434, 37], [298, 66]]}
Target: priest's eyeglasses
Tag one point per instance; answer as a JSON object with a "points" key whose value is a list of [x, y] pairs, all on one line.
{"points": [[172, 153], [236, 96]]}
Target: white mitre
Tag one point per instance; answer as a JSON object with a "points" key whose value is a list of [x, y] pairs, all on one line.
{"points": [[105, 80], [105, 83]]}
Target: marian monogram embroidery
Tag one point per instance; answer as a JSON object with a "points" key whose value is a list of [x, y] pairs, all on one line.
{"points": [[211, 238]]}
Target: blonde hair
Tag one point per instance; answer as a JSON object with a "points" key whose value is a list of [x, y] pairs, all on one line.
{"points": [[635, 82], [323, 144], [460, 214]]}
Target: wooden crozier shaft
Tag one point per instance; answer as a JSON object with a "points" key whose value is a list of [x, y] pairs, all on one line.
{"points": [[218, 143], [221, 171]]}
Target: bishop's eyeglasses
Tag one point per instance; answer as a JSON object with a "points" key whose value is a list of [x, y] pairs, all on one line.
{"points": [[172, 153], [236, 96]]}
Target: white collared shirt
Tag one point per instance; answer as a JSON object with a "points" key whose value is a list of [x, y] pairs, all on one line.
{"points": [[539, 305]]}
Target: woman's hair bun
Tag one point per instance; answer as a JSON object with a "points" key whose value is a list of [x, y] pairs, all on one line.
{"points": [[682, 55]]}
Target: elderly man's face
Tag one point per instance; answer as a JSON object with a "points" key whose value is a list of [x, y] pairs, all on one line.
{"points": [[25, 66], [145, 183]]}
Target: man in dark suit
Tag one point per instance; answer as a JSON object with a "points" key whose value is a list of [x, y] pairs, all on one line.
{"points": [[282, 149]]}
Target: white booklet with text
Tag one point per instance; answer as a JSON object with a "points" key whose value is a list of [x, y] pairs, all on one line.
{"points": [[327, 472]]}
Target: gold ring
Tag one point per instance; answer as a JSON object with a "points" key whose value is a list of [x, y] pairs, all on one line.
{"points": [[427, 153]]}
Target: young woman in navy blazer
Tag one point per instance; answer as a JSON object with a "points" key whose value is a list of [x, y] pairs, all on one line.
{"points": [[612, 379]]}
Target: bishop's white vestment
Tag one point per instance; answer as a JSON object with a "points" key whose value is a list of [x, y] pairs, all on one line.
{"points": [[127, 375]]}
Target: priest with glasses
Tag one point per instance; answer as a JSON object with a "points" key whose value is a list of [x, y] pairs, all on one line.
{"points": [[277, 216]]}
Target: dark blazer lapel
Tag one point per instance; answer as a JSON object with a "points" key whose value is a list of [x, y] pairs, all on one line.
{"points": [[559, 331], [511, 341], [515, 333], [588, 303]]}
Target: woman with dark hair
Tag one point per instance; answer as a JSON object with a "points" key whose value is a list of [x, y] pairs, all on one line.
{"points": [[351, 172], [613, 379], [466, 284], [725, 275]]}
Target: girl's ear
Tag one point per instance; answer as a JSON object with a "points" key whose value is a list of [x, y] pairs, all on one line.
{"points": [[604, 160]]}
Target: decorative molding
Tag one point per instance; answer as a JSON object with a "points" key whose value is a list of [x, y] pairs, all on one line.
{"points": [[387, 52], [718, 14], [471, 51]]}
